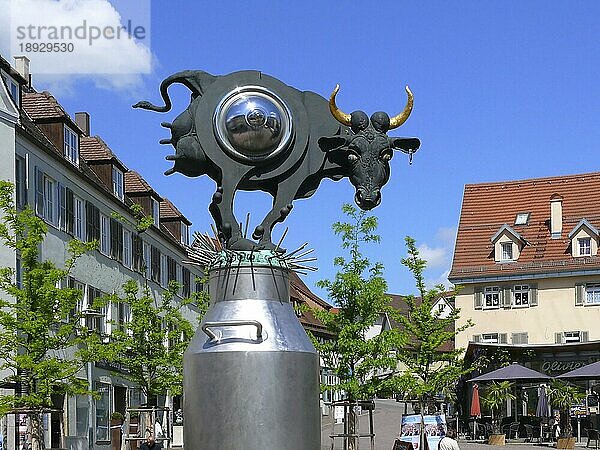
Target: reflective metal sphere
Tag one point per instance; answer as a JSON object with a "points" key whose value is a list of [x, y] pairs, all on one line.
{"points": [[253, 123]]}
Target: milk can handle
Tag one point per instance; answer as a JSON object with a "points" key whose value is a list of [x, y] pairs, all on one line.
{"points": [[231, 323]]}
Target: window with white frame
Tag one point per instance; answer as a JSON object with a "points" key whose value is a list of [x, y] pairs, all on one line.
{"points": [[507, 251], [127, 254], [105, 234], [71, 146], [117, 180], [491, 297], [592, 294], [155, 212], [79, 218], [585, 246], [50, 200], [185, 234], [572, 336], [13, 89], [490, 338], [521, 295]]}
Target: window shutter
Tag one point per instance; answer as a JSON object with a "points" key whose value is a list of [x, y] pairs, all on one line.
{"points": [[39, 192], [476, 338], [478, 297], [186, 282], [516, 338], [502, 338], [584, 336], [136, 249], [533, 294], [525, 338], [116, 239], [579, 294], [506, 297], [558, 338], [92, 215], [70, 210]]}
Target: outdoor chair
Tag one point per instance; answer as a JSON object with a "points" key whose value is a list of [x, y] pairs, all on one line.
{"points": [[529, 430], [592, 435], [511, 430]]}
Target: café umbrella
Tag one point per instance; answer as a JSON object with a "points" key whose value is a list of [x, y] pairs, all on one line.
{"points": [[475, 408], [512, 372], [589, 372]]}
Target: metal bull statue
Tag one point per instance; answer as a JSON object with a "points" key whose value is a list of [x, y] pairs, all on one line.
{"points": [[249, 131]]}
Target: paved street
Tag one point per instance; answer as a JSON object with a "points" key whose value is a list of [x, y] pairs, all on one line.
{"points": [[386, 419]]}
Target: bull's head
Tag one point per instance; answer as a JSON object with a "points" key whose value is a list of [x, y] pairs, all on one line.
{"points": [[366, 153]]}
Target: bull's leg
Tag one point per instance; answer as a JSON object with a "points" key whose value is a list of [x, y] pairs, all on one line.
{"points": [[282, 205], [221, 208]]}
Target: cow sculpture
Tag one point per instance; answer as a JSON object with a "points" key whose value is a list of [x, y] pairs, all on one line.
{"points": [[249, 131]]}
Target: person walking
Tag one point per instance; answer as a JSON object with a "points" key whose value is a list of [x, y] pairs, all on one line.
{"points": [[151, 444], [448, 442]]}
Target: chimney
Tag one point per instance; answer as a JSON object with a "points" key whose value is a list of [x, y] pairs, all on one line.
{"points": [[82, 119], [556, 216], [22, 66]]}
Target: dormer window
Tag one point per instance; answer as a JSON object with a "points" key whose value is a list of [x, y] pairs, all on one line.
{"points": [[585, 246], [584, 239], [508, 244], [71, 149], [185, 234], [13, 90], [117, 182], [155, 212], [507, 251]]}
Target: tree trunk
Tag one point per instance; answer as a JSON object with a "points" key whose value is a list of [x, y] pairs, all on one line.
{"points": [[352, 425], [36, 429]]}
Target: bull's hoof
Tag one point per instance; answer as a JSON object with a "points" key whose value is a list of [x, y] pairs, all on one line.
{"points": [[239, 243], [258, 233], [268, 245]]}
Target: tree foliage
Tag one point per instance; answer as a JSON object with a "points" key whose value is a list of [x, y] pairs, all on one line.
{"points": [[429, 369], [496, 395], [562, 396], [147, 348], [42, 344], [364, 366]]}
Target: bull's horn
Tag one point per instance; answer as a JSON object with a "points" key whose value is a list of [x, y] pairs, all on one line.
{"points": [[339, 115], [398, 120]]}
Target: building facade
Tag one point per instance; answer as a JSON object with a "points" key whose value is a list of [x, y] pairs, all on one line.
{"points": [[75, 182], [527, 259]]}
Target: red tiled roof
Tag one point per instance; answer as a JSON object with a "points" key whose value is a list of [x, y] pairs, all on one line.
{"points": [[488, 206], [169, 211], [135, 184], [93, 148], [42, 105]]}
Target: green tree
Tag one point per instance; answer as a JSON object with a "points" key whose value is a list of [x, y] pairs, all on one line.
{"points": [[563, 396], [365, 367], [428, 368], [496, 395], [42, 345], [148, 347]]}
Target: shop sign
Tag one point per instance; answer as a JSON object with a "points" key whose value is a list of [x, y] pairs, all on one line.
{"points": [[549, 366]]}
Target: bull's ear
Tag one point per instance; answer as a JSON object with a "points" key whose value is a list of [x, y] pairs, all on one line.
{"points": [[327, 144], [405, 144]]}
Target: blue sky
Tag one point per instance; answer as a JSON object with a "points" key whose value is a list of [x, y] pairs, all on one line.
{"points": [[503, 90]]}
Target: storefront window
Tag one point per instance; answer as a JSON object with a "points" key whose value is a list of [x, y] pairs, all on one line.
{"points": [[103, 412]]}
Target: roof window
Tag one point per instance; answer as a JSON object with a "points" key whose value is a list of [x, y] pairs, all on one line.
{"points": [[522, 218]]}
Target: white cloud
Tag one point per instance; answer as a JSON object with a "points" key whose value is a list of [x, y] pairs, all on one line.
{"points": [[435, 256], [109, 63]]}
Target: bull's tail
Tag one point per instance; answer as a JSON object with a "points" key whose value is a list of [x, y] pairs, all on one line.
{"points": [[195, 80]]}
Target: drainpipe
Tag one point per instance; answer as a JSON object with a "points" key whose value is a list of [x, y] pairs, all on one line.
{"points": [[90, 366]]}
